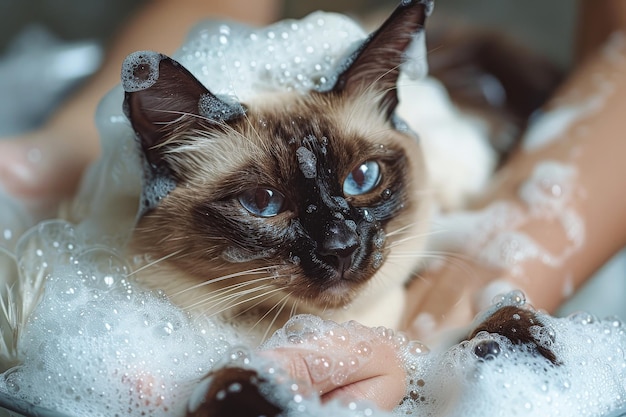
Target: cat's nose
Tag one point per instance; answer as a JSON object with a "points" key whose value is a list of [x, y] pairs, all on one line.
{"points": [[340, 242]]}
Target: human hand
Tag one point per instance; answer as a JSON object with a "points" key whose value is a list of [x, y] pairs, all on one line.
{"points": [[374, 373], [443, 301], [346, 361], [41, 168]]}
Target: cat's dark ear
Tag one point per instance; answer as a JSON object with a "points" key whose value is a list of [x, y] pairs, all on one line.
{"points": [[376, 63], [162, 98]]}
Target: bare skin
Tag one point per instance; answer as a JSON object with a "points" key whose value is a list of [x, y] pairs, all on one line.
{"points": [[381, 379], [447, 297]]}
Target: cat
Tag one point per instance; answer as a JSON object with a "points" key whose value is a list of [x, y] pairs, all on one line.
{"points": [[290, 202], [287, 203]]}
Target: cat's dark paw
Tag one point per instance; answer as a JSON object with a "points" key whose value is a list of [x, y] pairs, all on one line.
{"points": [[234, 392], [520, 326]]}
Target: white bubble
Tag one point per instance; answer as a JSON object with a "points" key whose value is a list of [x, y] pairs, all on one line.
{"points": [[140, 70]]}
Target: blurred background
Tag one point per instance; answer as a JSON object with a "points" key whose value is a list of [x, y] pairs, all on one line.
{"points": [[48, 46]]}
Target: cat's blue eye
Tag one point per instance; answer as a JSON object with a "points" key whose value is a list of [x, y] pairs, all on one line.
{"points": [[264, 202], [362, 179]]}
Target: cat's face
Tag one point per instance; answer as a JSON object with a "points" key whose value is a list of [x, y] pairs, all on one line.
{"points": [[289, 196]]}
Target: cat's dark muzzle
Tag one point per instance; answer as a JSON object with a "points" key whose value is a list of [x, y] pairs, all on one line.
{"points": [[339, 245], [350, 254]]}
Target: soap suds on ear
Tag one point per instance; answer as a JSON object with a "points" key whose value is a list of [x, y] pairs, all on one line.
{"points": [[219, 109], [140, 70]]}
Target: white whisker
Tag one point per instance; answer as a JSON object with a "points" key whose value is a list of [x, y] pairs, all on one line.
{"points": [[265, 296], [220, 297], [235, 287], [259, 270], [400, 230], [229, 301], [409, 238], [282, 302], [153, 263], [294, 307]]}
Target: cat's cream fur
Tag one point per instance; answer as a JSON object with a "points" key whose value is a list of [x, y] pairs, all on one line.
{"points": [[211, 256], [200, 158]]}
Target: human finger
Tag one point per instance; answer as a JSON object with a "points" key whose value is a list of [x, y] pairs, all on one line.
{"points": [[367, 369]]}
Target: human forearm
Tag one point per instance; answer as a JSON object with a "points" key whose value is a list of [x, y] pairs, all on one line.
{"points": [[597, 19], [559, 201], [593, 146]]}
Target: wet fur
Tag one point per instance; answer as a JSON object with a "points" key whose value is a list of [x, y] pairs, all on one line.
{"points": [[202, 222], [211, 256]]}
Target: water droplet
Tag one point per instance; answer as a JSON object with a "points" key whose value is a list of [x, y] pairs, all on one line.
{"points": [[416, 348], [363, 349], [487, 349], [377, 260], [320, 367], [235, 387]]}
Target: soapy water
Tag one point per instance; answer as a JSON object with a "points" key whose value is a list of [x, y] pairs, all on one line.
{"points": [[294, 55], [553, 125], [97, 344], [88, 341], [492, 235]]}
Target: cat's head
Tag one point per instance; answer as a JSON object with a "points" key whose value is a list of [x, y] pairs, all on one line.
{"points": [[302, 195]]}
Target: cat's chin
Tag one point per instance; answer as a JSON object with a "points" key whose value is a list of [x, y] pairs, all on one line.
{"points": [[336, 297], [331, 289]]}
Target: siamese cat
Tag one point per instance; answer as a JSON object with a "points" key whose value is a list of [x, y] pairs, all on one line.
{"points": [[288, 203]]}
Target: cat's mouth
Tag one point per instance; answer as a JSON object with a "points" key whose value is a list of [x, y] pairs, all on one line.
{"points": [[333, 273], [339, 280]]}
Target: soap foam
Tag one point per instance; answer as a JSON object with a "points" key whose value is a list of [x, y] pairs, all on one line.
{"points": [[307, 161], [590, 380], [234, 60], [99, 345], [493, 234], [553, 125], [140, 70]]}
